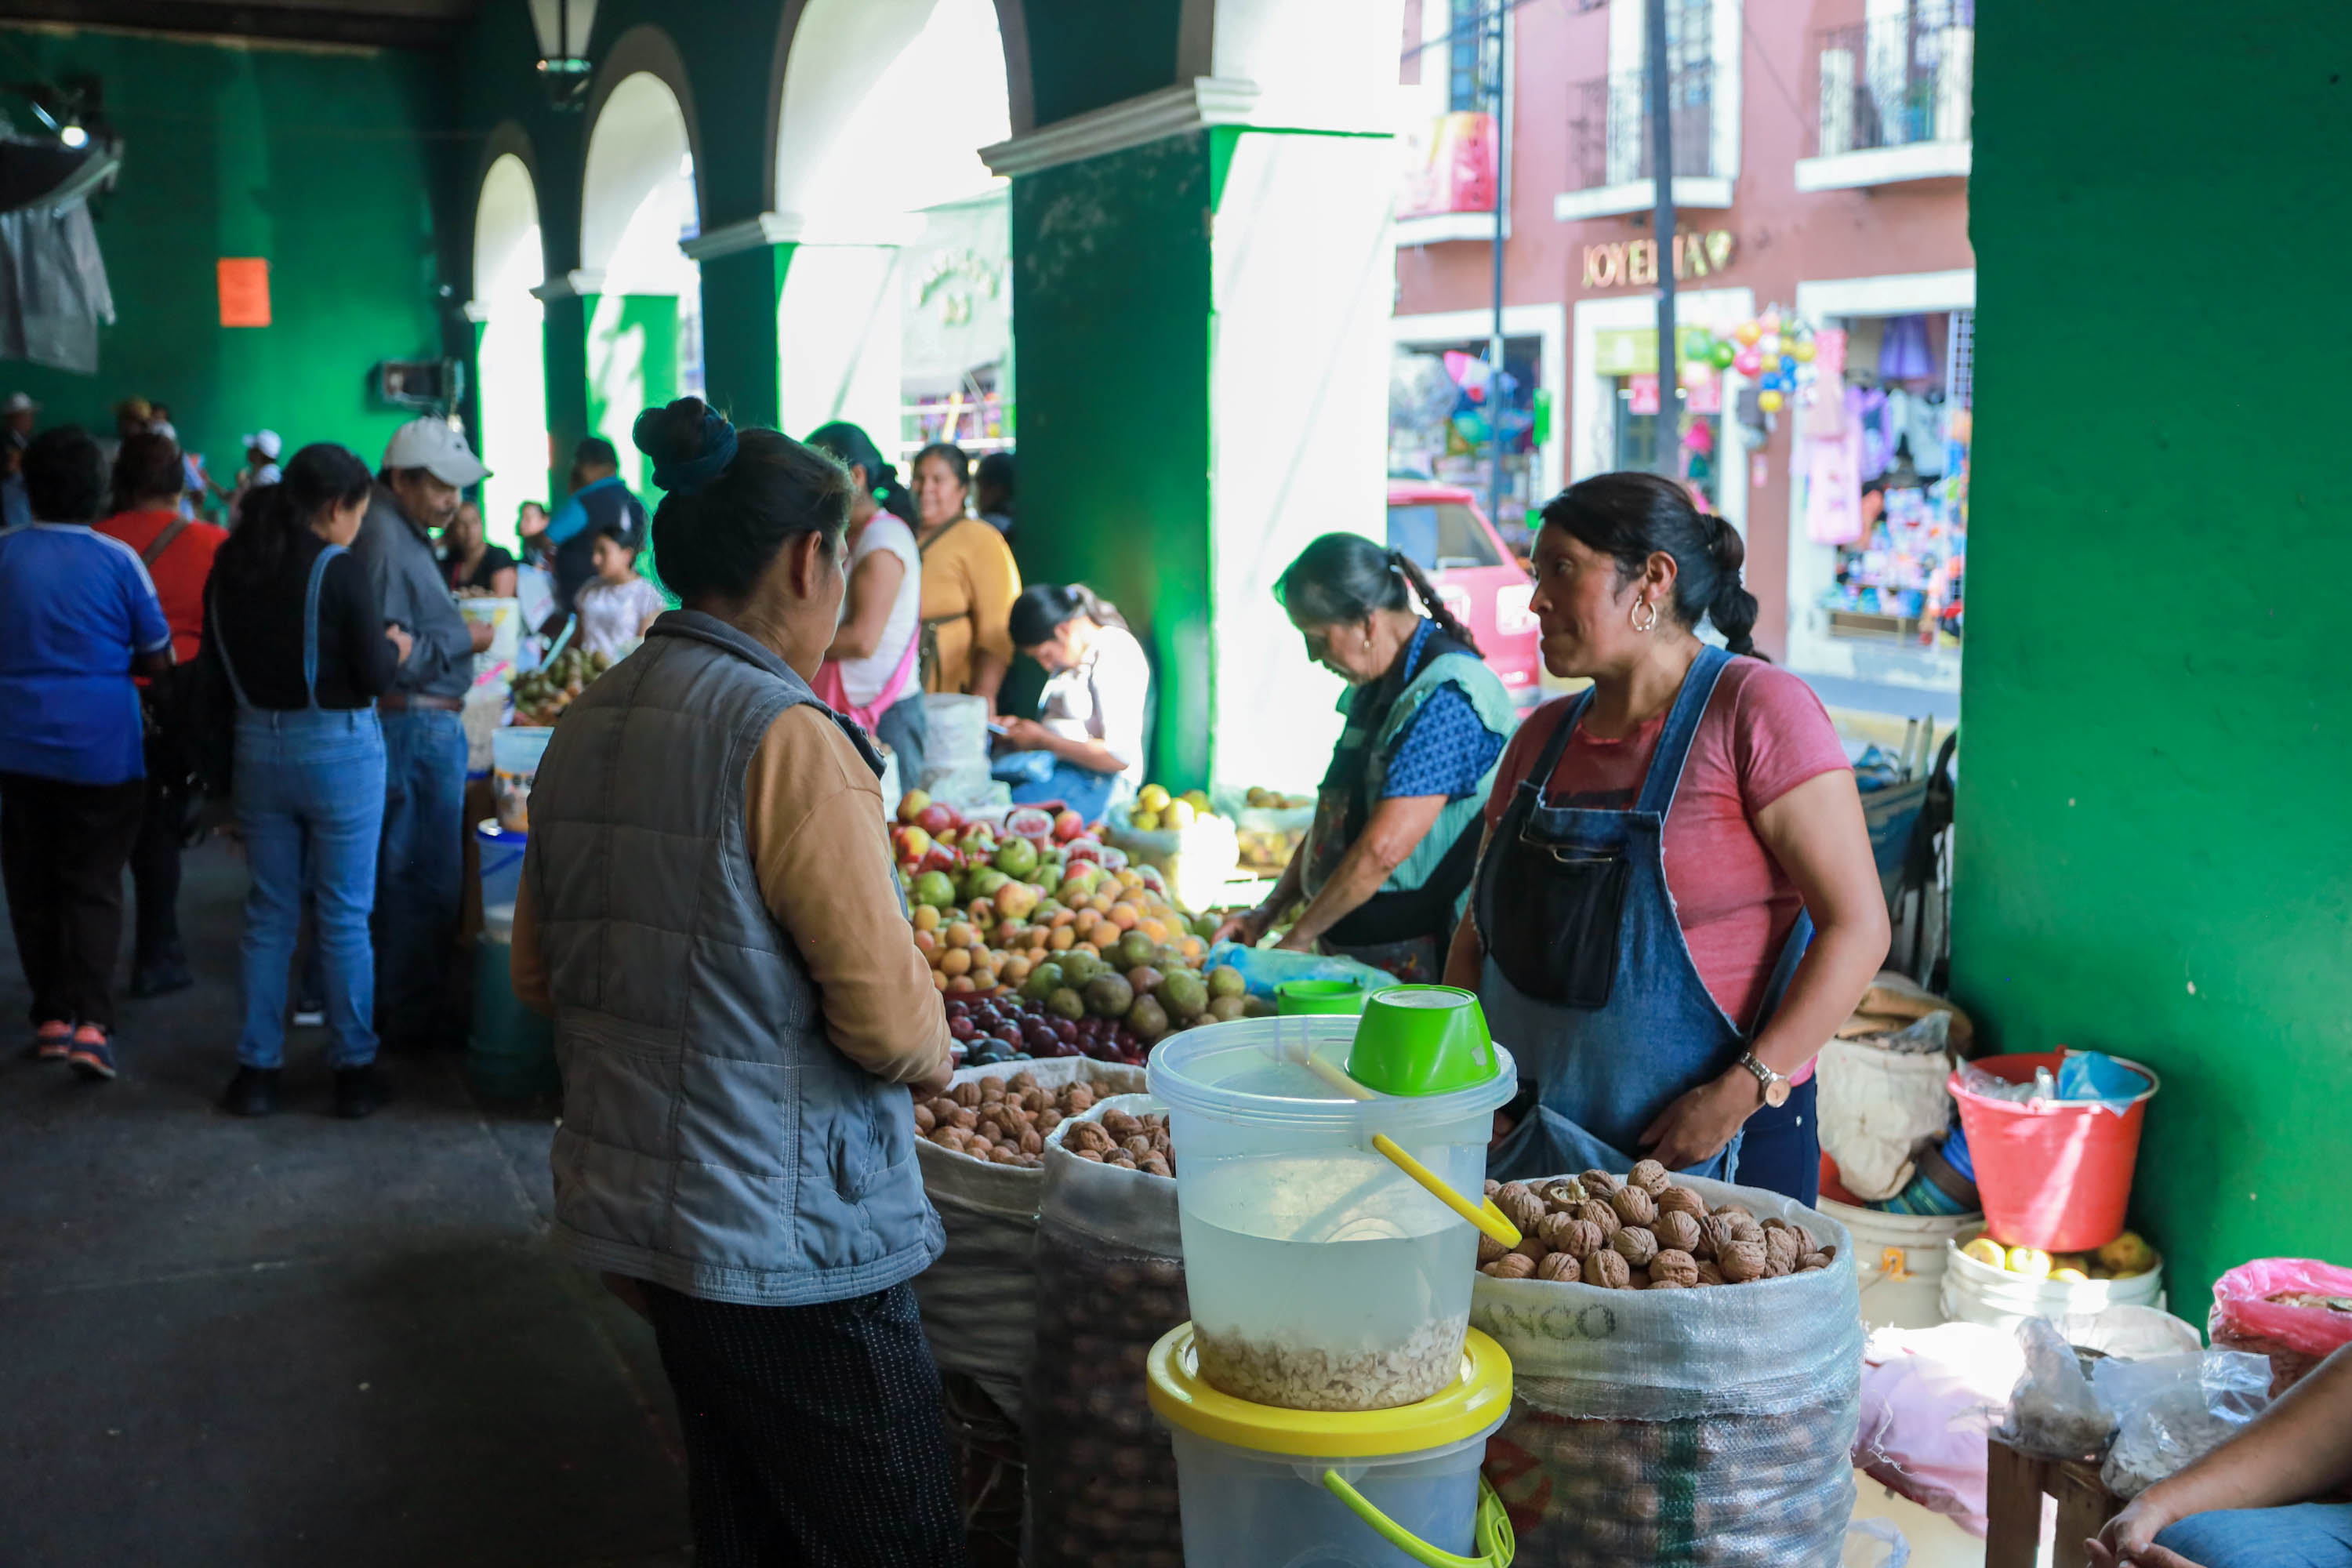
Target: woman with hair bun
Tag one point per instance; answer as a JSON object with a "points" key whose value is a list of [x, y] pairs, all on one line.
{"points": [[1659, 848], [709, 909], [1387, 863]]}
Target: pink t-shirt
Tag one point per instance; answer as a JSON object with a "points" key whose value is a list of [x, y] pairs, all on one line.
{"points": [[1764, 733]]}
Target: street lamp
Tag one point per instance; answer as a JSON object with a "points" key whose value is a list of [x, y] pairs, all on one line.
{"points": [[564, 69]]}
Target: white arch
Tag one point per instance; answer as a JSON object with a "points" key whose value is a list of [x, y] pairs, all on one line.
{"points": [[509, 263], [637, 192]]}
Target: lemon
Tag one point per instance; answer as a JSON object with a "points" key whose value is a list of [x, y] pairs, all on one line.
{"points": [[1987, 1251]]}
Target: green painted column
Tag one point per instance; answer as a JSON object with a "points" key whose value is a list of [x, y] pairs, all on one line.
{"points": [[632, 365], [740, 364], [565, 345], [2153, 842]]}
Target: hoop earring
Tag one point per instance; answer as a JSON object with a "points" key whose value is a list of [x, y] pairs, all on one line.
{"points": [[1639, 623]]}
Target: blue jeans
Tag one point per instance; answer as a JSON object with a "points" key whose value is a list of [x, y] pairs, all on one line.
{"points": [[420, 869], [1041, 776], [310, 801], [2307, 1535], [1780, 1150]]}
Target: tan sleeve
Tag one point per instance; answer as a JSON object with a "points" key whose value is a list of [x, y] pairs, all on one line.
{"points": [[813, 815], [525, 963], [995, 583]]}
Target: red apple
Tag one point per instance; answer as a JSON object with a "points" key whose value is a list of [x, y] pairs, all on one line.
{"points": [[938, 858], [912, 844], [911, 806], [1068, 825], [937, 817]]}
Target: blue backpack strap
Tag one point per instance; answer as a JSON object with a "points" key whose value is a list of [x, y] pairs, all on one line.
{"points": [[1665, 773]]}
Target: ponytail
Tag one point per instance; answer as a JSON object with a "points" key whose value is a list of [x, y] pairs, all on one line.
{"points": [[1732, 607], [1044, 608], [1630, 517], [319, 476], [855, 449], [1431, 603]]}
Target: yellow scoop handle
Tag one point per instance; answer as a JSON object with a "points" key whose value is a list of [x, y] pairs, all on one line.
{"points": [[1483, 1214]]}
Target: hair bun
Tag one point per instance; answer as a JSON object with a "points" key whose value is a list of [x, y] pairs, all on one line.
{"points": [[690, 445]]}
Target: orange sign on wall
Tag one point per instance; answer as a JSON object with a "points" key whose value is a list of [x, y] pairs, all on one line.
{"points": [[244, 292]]}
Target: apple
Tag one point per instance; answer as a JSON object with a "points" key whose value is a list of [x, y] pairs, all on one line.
{"points": [[912, 844], [911, 806], [937, 818], [1068, 825], [938, 858]]}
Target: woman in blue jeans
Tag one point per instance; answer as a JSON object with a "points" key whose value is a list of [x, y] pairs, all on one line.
{"points": [[1086, 747], [303, 641]]}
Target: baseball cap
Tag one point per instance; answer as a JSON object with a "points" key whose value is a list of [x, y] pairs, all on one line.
{"points": [[431, 445], [164, 429], [19, 403], [265, 441]]}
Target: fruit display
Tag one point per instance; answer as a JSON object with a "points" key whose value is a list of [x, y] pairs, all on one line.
{"points": [[1270, 827], [2127, 1257], [1275, 800], [1644, 1232], [541, 696], [1001, 1121], [1157, 811]]}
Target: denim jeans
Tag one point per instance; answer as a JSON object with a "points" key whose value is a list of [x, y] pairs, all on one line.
{"points": [[419, 871], [904, 729], [1038, 776], [310, 802], [2307, 1535]]}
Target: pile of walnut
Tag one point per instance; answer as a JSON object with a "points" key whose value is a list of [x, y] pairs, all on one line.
{"points": [[1643, 1233], [1001, 1121], [1130, 1142]]}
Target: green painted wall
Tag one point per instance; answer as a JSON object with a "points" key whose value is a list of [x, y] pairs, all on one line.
{"points": [[632, 366], [1083, 54], [1114, 252], [742, 369], [2155, 853], [314, 159]]}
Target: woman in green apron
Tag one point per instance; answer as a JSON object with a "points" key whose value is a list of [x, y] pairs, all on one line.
{"points": [[1386, 867]]}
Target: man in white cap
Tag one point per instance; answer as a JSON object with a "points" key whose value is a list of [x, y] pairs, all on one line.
{"points": [[421, 863], [261, 449], [18, 414]]}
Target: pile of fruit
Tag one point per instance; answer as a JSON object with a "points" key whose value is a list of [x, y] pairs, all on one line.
{"points": [[541, 696], [1275, 800], [1267, 850], [1157, 811], [1647, 1232], [1130, 1142], [2128, 1257]]}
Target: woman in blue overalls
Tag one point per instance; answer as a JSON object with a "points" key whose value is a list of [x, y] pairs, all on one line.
{"points": [[1580, 950], [297, 629]]}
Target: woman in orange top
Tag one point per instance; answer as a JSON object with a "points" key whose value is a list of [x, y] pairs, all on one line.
{"points": [[969, 581]]}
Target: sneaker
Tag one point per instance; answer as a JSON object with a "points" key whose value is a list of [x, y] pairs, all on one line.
{"points": [[52, 1040], [358, 1092], [92, 1054], [252, 1092]]}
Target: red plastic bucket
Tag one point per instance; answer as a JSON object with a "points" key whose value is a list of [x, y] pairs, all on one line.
{"points": [[2057, 1177]]}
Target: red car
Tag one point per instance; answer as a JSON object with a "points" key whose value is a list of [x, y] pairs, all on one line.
{"points": [[1442, 531]]}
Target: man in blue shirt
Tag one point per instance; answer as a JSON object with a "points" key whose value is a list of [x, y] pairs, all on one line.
{"points": [[78, 617], [598, 498]]}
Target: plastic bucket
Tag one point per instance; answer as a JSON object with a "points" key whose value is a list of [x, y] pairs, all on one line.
{"points": [[1976, 1292], [514, 762], [500, 855], [510, 1050], [1319, 996], [1322, 1275], [1899, 1261], [2053, 1176]]}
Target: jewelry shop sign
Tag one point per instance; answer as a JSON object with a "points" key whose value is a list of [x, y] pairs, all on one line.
{"points": [[1622, 263]]}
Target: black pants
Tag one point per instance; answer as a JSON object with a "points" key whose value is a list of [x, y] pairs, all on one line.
{"points": [[155, 870], [62, 846], [814, 1434], [1781, 1151]]}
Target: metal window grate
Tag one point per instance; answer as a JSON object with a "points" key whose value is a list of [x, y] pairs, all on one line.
{"points": [[1960, 363]]}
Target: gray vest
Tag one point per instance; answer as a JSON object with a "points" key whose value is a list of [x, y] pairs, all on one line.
{"points": [[713, 1140]]}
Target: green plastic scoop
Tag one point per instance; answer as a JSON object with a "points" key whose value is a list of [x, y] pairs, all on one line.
{"points": [[1293, 997], [1421, 1039]]}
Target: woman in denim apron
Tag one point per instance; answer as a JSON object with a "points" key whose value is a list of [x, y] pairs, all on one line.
{"points": [[1574, 943]]}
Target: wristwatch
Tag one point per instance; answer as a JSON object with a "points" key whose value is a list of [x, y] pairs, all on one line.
{"points": [[1776, 1085]]}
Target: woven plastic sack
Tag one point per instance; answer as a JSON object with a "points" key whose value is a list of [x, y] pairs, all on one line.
{"points": [[979, 1301], [1111, 1281], [1699, 1428], [2295, 1338]]}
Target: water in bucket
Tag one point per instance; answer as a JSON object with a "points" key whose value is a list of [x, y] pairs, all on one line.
{"points": [[1322, 1276]]}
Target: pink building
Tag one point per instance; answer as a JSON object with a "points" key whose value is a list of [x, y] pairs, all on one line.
{"points": [[1820, 165]]}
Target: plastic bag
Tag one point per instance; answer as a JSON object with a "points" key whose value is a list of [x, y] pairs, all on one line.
{"points": [[2297, 1335], [1875, 1544], [1979, 1082], [1697, 1429], [2172, 1411], [1929, 1397], [1265, 968], [1877, 1107], [2094, 1078], [1109, 1281], [2053, 1411]]}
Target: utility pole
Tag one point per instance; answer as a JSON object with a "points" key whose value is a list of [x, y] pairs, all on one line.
{"points": [[1502, 207], [1662, 233]]}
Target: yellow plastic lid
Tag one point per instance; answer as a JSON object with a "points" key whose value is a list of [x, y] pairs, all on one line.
{"points": [[1478, 1398]]}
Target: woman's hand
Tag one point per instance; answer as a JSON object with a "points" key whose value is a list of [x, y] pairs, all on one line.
{"points": [[1248, 928], [400, 640], [1026, 734], [2129, 1538], [1699, 1125]]}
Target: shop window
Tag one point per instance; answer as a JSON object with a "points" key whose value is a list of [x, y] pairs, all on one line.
{"points": [[1445, 411], [1470, 64], [1441, 536], [1637, 438]]}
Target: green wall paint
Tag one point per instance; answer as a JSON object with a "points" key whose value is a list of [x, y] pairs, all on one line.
{"points": [[1114, 253], [742, 369], [1086, 55], [316, 160], [632, 366], [565, 345], [2154, 840]]}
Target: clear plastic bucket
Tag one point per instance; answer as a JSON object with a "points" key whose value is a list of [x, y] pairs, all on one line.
{"points": [[1322, 1277], [500, 853], [514, 762]]}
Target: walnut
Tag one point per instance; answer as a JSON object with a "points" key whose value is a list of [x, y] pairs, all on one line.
{"points": [[1742, 1261], [1514, 1265], [991, 1087], [1673, 1265], [1676, 1231], [1490, 1270], [1094, 1154], [1522, 1208], [1812, 1260], [1155, 1165], [1049, 1118], [967, 1119], [1120, 1125], [1005, 1154], [1089, 1135], [1035, 1101], [1138, 1144], [1032, 1144], [1492, 1186], [1650, 1176], [1123, 1160], [1510, 1192], [1735, 1208], [1637, 1277], [954, 1138], [991, 1131], [924, 1120], [1531, 1249], [1682, 1200], [1076, 1097], [1665, 1284], [1021, 1080], [1564, 1196], [1780, 1252], [1608, 1270], [1634, 1244], [1774, 1221], [1830, 1253], [966, 1095], [942, 1108], [1633, 1205], [1599, 1183], [1559, 1268], [1597, 1213], [1552, 1230], [1708, 1274], [1489, 1249]]}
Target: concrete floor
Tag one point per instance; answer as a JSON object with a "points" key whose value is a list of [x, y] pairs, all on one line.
{"points": [[300, 1340]]}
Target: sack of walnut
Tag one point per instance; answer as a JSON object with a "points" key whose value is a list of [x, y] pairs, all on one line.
{"points": [[979, 1299], [1111, 1281], [1706, 1427]]}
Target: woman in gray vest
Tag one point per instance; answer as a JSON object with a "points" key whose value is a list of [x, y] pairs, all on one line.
{"points": [[1385, 869], [710, 912]]}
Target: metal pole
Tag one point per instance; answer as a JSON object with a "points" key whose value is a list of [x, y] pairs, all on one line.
{"points": [[1662, 233], [1494, 344]]}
